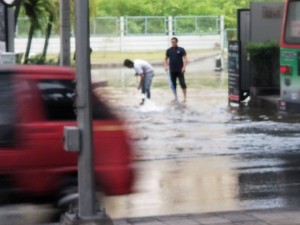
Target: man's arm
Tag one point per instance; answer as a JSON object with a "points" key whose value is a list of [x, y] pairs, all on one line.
{"points": [[141, 81], [166, 63], [185, 62]]}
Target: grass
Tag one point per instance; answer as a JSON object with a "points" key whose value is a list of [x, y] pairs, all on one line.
{"points": [[118, 57], [161, 82], [104, 57]]}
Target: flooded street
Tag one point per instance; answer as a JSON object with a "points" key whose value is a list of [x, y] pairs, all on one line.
{"points": [[199, 156], [202, 156]]}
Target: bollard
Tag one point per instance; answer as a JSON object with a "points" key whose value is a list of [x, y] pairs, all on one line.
{"points": [[218, 63]]}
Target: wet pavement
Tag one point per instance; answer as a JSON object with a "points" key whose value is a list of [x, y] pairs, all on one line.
{"points": [[203, 156], [250, 217]]}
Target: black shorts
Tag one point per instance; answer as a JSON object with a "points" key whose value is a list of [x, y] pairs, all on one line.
{"points": [[180, 76]]}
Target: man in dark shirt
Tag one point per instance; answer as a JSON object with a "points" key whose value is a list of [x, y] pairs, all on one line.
{"points": [[175, 62]]}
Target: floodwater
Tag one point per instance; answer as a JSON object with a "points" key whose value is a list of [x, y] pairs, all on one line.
{"points": [[202, 156]]}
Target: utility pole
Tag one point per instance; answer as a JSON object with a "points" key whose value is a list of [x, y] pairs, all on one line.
{"points": [[65, 32], [88, 212]]}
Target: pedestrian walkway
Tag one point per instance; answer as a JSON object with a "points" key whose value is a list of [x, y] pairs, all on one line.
{"points": [[253, 217]]}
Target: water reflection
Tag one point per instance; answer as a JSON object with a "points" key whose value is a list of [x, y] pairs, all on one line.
{"points": [[203, 156], [173, 186]]}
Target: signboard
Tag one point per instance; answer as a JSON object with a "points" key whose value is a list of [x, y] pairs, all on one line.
{"points": [[7, 58], [234, 83], [2, 28], [272, 12]]}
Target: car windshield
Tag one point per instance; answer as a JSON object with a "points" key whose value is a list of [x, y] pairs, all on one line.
{"points": [[292, 32], [59, 100]]}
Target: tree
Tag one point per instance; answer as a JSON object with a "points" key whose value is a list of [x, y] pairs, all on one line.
{"points": [[51, 7], [37, 12], [173, 8], [43, 15]]}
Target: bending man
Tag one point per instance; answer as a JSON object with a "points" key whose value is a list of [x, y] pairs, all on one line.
{"points": [[146, 73]]}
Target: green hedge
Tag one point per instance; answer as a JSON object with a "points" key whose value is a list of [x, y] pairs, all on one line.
{"points": [[264, 56]]}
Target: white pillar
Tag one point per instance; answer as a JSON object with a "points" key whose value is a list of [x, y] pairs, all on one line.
{"points": [[122, 33], [222, 30], [170, 29]]}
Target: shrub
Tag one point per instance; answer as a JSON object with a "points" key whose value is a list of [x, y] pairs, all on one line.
{"points": [[264, 56], [39, 59]]}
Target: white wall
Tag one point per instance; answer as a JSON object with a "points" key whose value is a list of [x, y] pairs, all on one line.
{"points": [[126, 43]]}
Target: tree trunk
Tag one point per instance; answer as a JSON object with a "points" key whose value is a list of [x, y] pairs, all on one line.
{"points": [[17, 11], [48, 34], [30, 36]]}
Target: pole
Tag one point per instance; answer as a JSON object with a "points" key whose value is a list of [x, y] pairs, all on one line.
{"points": [[65, 31], [84, 120], [11, 29], [88, 212]]}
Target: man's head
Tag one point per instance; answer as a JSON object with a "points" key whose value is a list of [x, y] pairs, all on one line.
{"points": [[174, 42], [128, 63]]}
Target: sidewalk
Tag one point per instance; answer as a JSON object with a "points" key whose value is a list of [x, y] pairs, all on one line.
{"points": [[252, 217]]}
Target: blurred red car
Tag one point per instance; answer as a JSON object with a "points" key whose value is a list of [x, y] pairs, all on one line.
{"points": [[36, 102]]}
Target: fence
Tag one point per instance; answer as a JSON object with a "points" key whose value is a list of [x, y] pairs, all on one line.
{"points": [[139, 25], [136, 33]]}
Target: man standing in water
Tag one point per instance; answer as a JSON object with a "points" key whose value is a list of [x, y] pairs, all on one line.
{"points": [[146, 73], [175, 63]]}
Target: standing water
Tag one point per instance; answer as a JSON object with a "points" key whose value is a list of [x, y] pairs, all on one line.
{"points": [[202, 156]]}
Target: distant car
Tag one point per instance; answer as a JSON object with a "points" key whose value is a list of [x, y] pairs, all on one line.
{"points": [[36, 102]]}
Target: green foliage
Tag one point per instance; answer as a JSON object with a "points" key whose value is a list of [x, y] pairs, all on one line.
{"points": [[39, 59], [173, 8], [265, 58], [37, 11]]}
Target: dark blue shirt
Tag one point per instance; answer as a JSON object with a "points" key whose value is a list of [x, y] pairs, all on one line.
{"points": [[175, 58]]}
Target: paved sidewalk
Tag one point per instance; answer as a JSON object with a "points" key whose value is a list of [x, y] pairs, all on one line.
{"points": [[253, 217]]}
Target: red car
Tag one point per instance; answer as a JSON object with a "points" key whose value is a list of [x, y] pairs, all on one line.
{"points": [[36, 102]]}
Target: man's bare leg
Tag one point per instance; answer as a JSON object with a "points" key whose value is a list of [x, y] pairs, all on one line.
{"points": [[184, 94]]}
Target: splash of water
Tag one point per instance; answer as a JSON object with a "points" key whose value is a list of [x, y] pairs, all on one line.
{"points": [[150, 106]]}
